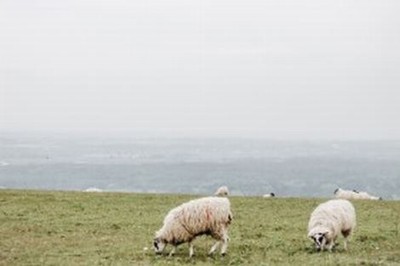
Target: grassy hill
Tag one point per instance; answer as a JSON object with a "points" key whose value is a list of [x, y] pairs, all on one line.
{"points": [[74, 228]]}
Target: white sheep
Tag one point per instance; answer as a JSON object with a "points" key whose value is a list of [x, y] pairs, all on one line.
{"points": [[365, 195], [222, 191], [345, 194], [353, 194], [269, 195], [204, 216], [93, 189], [330, 219]]}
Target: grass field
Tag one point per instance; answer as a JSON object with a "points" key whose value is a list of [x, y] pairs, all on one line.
{"points": [[74, 228]]}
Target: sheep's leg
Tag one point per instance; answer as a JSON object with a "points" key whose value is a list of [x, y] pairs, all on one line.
{"points": [[172, 253], [225, 240], [330, 246], [191, 250], [345, 234], [345, 243], [214, 248]]}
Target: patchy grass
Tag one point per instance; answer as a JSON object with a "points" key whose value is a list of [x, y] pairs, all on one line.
{"points": [[74, 228]]}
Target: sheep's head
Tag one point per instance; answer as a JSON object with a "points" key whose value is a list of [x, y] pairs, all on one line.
{"points": [[159, 245], [320, 239]]}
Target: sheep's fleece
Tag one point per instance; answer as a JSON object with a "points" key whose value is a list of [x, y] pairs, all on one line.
{"points": [[209, 216]]}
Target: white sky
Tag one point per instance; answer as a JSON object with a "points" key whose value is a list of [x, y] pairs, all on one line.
{"points": [[303, 69]]}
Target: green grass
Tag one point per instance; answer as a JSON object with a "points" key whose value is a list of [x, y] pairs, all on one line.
{"points": [[73, 228]]}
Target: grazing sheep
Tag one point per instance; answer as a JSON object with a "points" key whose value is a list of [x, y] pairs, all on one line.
{"points": [[269, 195], [353, 194], [365, 195], [222, 191], [93, 189], [345, 194], [204, 216], [330, 219]]}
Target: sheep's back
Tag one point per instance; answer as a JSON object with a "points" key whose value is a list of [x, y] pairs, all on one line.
{"points": [[203, 215], [335, 213]]}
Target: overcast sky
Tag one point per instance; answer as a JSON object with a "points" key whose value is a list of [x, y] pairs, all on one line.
{"points": [[302, 69]]}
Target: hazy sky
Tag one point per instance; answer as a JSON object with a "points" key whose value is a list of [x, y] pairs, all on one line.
{"points": [[275, 68]]}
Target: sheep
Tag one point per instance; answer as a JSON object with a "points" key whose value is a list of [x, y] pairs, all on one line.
{"points": [[328, 220], [222, 191], [365, 195], [269, 195], [354, 194], [345, 194], [204, 216], [93, 189]]}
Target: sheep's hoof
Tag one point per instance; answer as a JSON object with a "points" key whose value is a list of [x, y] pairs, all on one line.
{"points": [[223, 254]]}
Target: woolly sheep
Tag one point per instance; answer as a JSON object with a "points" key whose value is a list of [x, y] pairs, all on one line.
{"points": [[330, 219], [353, 194], [365, 195], [204, 216], [345, 194], [93, 189], [269, 195], [222, 191]]}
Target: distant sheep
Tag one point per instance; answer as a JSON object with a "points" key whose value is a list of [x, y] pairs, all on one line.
{"points": [[365, 195], [204, 216], [353, 194], [330, 219], [93, 189], [222, 191], [269, 195]]}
